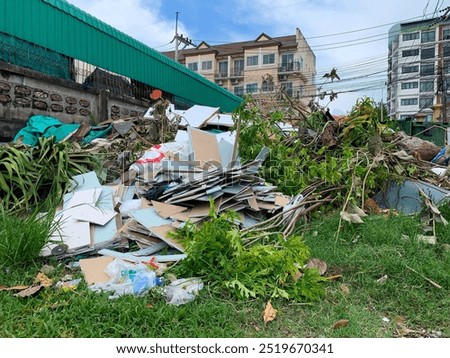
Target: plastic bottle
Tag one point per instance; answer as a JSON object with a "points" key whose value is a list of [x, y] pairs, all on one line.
{"points": [[143, 281]]}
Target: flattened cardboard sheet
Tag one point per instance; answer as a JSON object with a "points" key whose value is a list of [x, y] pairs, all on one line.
{"points": [[94, 269]]}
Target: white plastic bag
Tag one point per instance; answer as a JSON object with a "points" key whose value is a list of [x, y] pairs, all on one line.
{"points": [[126, 279], [183, 290]]}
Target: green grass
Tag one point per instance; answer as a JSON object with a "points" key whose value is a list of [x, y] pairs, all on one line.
{"points": [[22, 237], [362, 254]]}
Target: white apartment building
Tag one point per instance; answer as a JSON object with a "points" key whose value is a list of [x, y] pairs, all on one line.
{"points": [[419, 71]]}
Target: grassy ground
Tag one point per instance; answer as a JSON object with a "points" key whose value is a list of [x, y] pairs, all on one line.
{"points": [[405, 304]]}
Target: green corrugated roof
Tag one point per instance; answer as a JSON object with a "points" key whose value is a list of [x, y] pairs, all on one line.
{"points": [[62, 27]]}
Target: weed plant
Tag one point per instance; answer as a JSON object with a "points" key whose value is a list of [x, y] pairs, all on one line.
{"points": [[22, 237]]}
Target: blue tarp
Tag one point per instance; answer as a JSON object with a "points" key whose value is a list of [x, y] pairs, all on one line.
{"points": [[46, 126]]}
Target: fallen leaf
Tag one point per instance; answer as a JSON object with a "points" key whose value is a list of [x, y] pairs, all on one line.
{"points": [[269, 313], [320, 265], [401, 154], [297, 276], [345, 289], [406, 331], [333, 277], [28, 292], [47, 269], [341, 323], [149, 305], [43, 280], [351, 218], [257, 329], [400, 320], [382, 280], [353, 209], [13, 288], [171, 277], [428, 239], [371, 206]]}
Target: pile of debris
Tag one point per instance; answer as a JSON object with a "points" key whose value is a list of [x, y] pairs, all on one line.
{"points": [[173, 167]]}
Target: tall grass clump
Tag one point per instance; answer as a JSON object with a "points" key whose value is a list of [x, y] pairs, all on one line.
{"points": [[22, 237]]}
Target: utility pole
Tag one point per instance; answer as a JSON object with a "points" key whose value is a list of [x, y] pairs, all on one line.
{"points": [[180, 38], [442, 87], [444, 91]]}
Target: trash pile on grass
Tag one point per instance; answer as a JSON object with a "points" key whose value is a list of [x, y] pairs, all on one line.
{"points": [[223, 196]]}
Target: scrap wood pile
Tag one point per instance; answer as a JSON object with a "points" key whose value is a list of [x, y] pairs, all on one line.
{"points": [[161, 200]]}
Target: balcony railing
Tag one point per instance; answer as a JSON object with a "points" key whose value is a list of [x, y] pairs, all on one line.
{"points": [[234, 73], [290, 67]]}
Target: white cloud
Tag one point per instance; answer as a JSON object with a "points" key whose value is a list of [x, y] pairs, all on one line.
{"points": [[135, 18], [359, 50], [355, 53]]}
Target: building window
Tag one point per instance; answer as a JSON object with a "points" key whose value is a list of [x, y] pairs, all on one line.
{"points": [[446, 34], [427, 69], [251, 87], [238, 68], [426, 86], [408, 53], [425, 102], [408, 101], [410, 69], [300, 91], [409, 85], [223, 68], [404, 117], [446, 50], [239, 90], [267, 86], [446, 85], [269, 59], [427, 53], [287, 88], [428, 36], [287, 62], [446, 68], [193, 66], [252, 60], [411, 36], [206, 65]]}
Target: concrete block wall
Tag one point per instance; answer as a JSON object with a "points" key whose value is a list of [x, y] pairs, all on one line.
{"points": [[24, 92]]}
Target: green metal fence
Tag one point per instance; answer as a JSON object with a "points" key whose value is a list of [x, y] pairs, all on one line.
{"points": [[433, 132], [60, 27]]}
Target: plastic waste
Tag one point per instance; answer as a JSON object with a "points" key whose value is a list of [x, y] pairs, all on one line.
{"points": [[183, 290], [152, 158], [143, 281], [128, 279]]}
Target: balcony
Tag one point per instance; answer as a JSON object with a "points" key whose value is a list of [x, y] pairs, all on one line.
{"points": [[286, 68], [234, 73]]}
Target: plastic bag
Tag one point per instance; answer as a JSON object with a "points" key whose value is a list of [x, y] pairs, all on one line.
{"points": [[152, 158], [183, 290], [127, 279]]}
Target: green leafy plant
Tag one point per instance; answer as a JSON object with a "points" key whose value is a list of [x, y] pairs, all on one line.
{"points": [[215, 252], [39, 176]]}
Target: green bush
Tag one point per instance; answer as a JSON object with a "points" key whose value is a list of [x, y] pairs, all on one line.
{"points": [[271, 267]]}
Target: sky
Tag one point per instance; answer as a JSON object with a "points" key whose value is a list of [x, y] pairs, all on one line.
{"points": [[349, 35]]}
